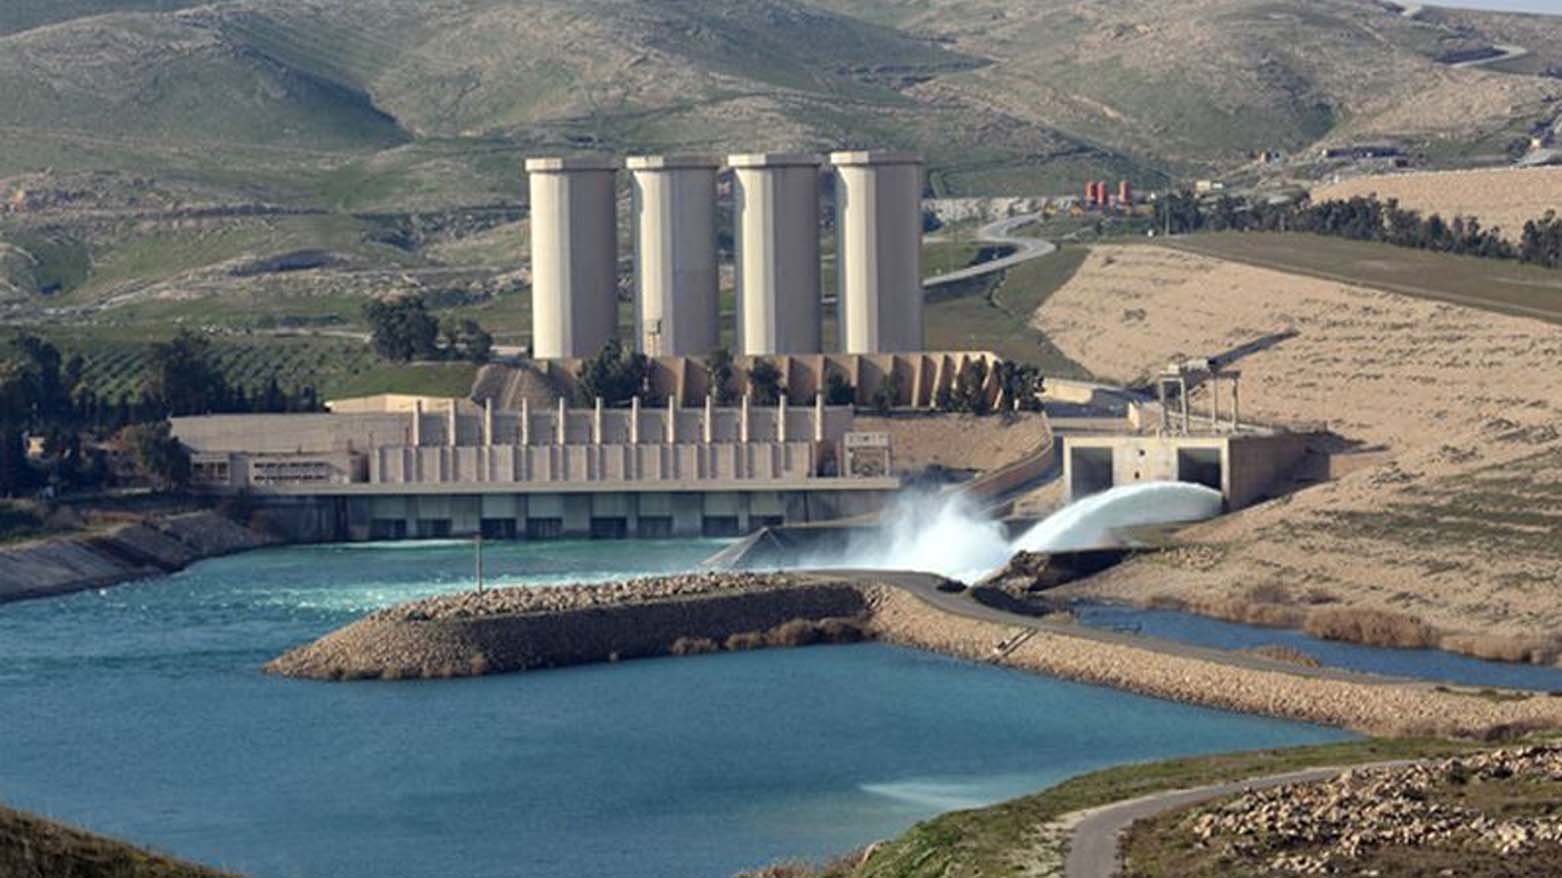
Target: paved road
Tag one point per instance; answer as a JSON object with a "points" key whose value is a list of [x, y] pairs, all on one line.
{"points": [[1508, 54], [1092, 851], [999, 232]]}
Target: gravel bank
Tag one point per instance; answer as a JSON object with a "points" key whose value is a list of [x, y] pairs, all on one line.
{"points": [[529, 628], [519, 629]]}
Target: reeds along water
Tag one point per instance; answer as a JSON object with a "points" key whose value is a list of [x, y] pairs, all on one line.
{"points": [[945, 533]]}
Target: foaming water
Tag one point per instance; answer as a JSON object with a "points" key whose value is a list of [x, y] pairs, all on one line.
{"points": [[1092, 523], [932, 533], [946, 534]]}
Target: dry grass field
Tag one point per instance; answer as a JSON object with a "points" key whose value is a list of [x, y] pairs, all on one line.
{"points": [[1452, 522], [1502, 197]]}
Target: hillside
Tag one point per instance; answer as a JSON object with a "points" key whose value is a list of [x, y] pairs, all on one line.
{"points": [[999, 95], [260, 164], [33, 847], [1445, 509], [1502, 198]]}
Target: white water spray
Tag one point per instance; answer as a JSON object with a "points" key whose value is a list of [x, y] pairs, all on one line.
{"points": [[1092, 523], [946, 534]]}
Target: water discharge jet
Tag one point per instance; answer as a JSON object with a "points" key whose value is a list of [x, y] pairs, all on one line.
{"points": [[948, 535]]}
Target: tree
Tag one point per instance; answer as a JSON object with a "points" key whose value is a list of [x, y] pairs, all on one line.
{"points": [[157, 454], [613, 375], [476, 344], [14, 473], [764, 381], [183, 379], [839, 391], [970, 390], [719, 366], [1022, 383], [887, 395], [402, 330]]}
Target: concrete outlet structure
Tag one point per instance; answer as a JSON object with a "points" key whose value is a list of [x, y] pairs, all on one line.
{"points": [[878, 198], [776, 199], [675, 254], [574, 244], [1245, 468]]}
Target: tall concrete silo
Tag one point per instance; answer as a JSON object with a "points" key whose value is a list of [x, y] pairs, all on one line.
{"points": [[675, 254], [574, 242], [878, 198], [776, 200]]}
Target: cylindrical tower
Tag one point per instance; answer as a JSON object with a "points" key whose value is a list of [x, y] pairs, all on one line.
{"points": [[574, 242], [878, 204], [675, 254], [776, 201]]}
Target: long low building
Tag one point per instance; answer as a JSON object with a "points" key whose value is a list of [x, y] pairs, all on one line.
{"points": [[392, 467]]}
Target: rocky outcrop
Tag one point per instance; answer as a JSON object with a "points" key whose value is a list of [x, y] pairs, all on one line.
{"points": [[119, 554], [1322, 828]]}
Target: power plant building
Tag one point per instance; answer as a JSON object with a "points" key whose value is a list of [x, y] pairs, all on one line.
{"points": [[574, 242], [676, 307], [776, 204], [878, 198]]}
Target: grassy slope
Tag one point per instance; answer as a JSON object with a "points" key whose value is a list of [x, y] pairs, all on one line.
{"points": [[984, 842], [1500, 286], [336, 367], [32, 847], [996, 317], [301, 99]]}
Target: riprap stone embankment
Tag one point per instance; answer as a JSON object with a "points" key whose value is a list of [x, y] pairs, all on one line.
{"points": [[527, 628], [130, 551], [522, 629]]}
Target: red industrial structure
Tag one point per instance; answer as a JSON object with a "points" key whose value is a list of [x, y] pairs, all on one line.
{"points": [[1125, 194]]}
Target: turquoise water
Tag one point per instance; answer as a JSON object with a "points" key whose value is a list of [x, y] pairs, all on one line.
{"points": [[1422, 664], [141, 711]]}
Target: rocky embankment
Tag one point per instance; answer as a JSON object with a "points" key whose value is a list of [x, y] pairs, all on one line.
{"points": [[123, 553], [518, 629], [531, 628], [1330, 827]]}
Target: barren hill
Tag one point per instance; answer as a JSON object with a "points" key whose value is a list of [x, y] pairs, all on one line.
{"points": [[1449, 512], [1504, 198]]}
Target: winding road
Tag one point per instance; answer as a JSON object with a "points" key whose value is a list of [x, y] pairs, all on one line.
{"points": [[1092, 851], [1000, 232]]}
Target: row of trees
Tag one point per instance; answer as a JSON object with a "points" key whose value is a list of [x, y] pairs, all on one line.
{"points": [[402, 330], [1365, 218], [615, 375], [44, 395]]}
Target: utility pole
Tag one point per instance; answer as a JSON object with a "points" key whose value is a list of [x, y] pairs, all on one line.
{"points": [[479, 543]]}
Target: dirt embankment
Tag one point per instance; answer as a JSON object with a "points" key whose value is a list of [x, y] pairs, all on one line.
{"points": [[1451, 526], [131, 551], [524, 629], [959, 442], [1503, 198]]}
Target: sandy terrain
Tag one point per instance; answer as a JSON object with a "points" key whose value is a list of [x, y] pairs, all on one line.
{"points": [[1502, 197], [958, 441], [1457, 523]]}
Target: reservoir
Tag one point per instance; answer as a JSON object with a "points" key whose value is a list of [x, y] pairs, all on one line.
{"points": [[140, 711]]}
